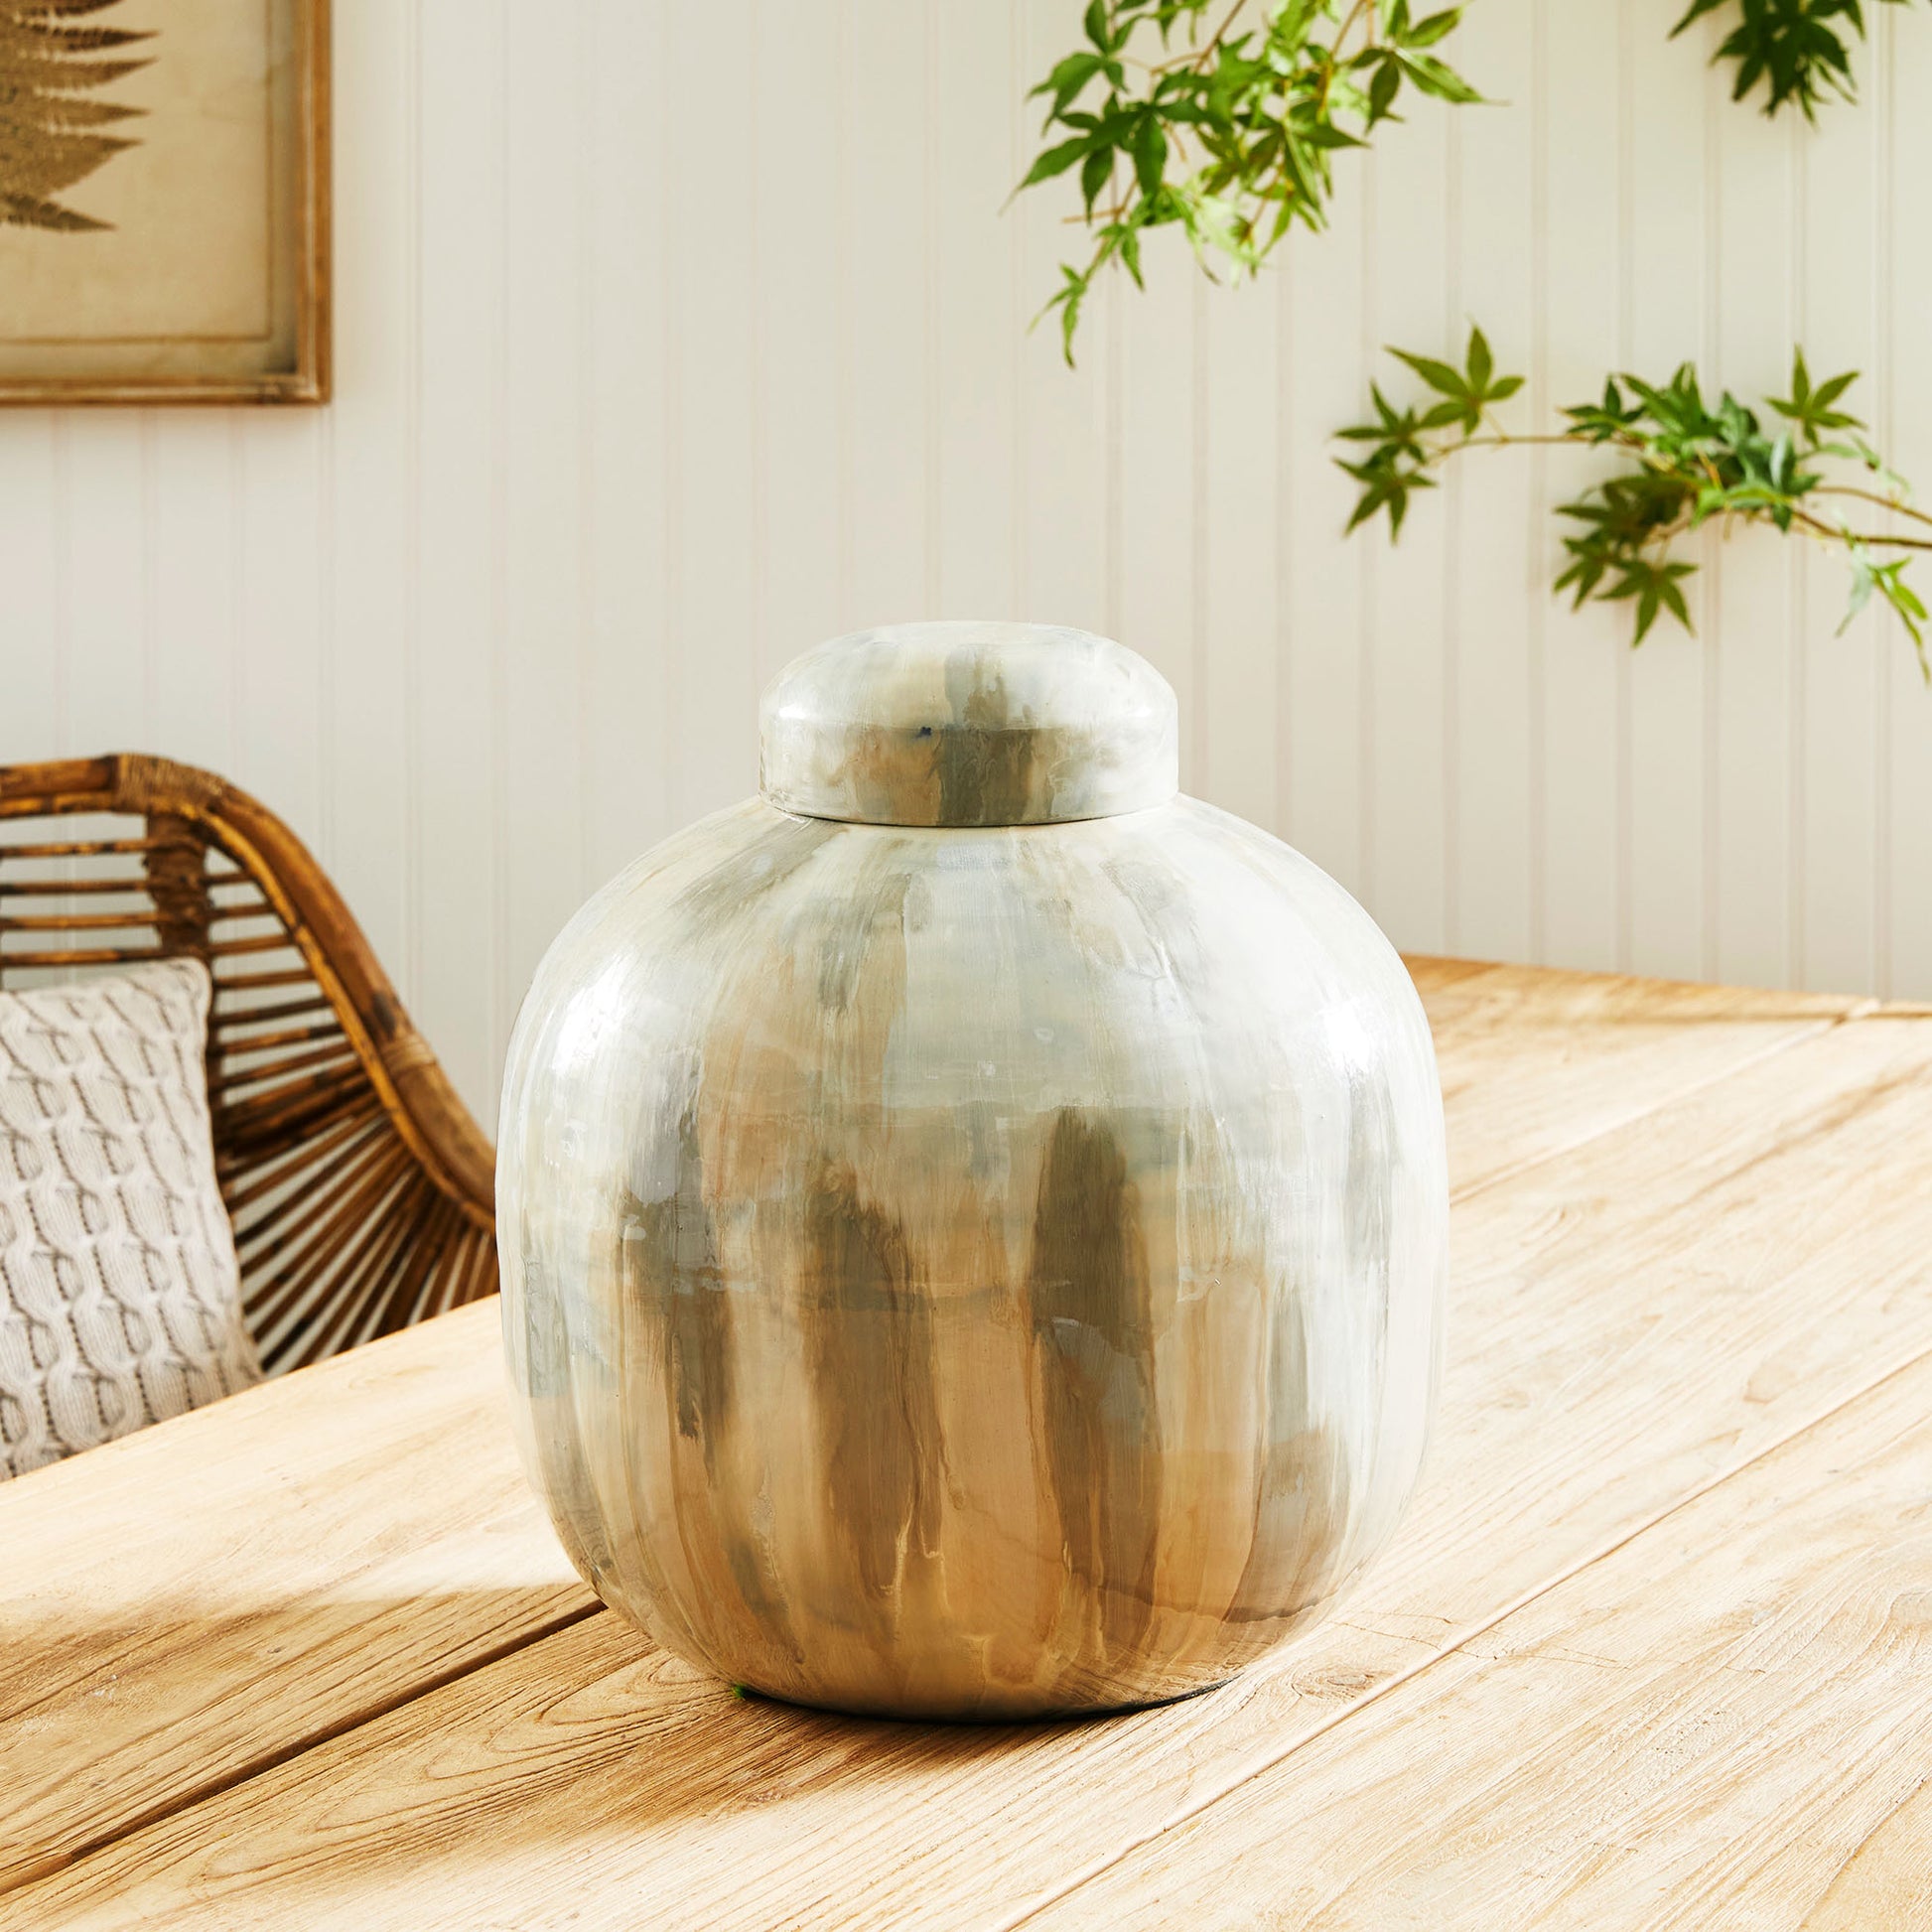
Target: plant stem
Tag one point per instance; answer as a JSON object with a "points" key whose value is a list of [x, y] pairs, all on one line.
{"points": [[1832, 533], [1196, 61], [1332, 66], [1502, 440], [1872, 496]]}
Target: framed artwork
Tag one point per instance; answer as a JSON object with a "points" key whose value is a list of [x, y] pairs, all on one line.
{"points": [[164, 200]]}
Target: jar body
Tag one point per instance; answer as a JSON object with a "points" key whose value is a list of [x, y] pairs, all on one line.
{"points": [[972, 1272]]}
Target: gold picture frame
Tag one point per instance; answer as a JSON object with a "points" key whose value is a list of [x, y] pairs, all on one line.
{"points": [[164, 202]]}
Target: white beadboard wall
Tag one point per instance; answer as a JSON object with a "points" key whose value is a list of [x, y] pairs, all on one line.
{"points": [[673, 338]]}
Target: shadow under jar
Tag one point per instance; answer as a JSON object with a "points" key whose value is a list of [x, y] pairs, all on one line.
{"points": [[974, 1220]]}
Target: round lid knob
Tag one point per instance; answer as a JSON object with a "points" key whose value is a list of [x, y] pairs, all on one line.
{"points": [[968, 723]]}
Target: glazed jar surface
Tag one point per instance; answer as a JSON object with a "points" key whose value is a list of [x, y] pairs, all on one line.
{"points": [[974, 1221]]}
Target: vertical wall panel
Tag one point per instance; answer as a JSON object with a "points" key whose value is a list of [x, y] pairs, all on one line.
{"points": [[1663, 230], [372, 676], [1157, 448], [796, 312], [888, 195], [1578, 857], [31, 660], [104, 566], [629, 747], [284, 597], [670, 340], [1756, 721], [190, 471], [1837, 801], [1410, 251], [1329, 360], [1062, 413], [1902, 413], [546, 681], [1240, 515], [708, 189], [978, 313], [1493, 597], [458, 355]]}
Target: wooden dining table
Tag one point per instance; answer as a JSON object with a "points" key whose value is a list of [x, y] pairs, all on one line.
{"points": [[1653, 1646]]}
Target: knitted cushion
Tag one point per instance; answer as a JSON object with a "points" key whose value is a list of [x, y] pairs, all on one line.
{"points": [[120, 1297]]}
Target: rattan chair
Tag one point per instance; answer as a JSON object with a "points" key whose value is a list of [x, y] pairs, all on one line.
{"points": [[360, 1188]]}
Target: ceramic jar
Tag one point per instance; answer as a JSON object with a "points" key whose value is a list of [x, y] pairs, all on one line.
{"points": [[973, 1220]]}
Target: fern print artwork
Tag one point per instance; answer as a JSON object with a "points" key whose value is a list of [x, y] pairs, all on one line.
{"points": [[54, 57]]}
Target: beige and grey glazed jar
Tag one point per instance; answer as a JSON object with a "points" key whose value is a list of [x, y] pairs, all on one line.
{"points": [[974, 1220]]}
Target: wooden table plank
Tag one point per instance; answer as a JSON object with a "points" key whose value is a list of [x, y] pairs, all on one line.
{"points": [[187, 1604], [1727, 1722], [361, 1530], [1651, 1312], [1608, 1048]]}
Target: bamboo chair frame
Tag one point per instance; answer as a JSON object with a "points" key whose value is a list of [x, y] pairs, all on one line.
{"points": [[362, 1190]]}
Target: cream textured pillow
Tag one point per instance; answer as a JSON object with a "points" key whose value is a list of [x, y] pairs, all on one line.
{"points": [[120, 1297]]}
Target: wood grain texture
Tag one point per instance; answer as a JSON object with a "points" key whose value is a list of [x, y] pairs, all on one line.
{"points": [[1608, 1048], [208, 1596], [1635, 1321], [1728, 1721]]}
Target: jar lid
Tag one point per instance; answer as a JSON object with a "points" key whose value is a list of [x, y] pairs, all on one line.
{"points": [[968, 723]]}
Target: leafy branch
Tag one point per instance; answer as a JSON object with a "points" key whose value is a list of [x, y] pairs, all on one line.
{"points": [[1797, 47], [1689, 462], [1227, 134]]}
